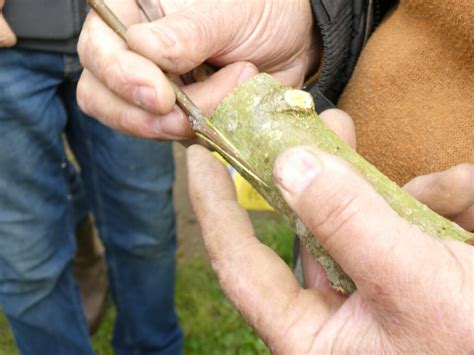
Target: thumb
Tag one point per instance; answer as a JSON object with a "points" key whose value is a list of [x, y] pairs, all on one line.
{"points": [[206, 95], [372, 244], [181, 40], [7, 37]]}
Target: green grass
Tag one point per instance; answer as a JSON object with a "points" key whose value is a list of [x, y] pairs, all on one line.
{"points": [[210, 324], [7, 344]]}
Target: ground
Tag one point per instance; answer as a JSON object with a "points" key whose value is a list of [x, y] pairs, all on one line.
{"points": [[210, 323]]}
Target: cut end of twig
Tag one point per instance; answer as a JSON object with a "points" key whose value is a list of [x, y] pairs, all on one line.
{"points": [[299, 99]]}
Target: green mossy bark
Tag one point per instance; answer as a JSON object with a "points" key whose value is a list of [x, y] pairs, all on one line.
{"points": [[257, 122]]}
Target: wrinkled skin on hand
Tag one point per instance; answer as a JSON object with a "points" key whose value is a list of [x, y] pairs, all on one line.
{"points": [[7, 37], [128, 92], [415, 294]]}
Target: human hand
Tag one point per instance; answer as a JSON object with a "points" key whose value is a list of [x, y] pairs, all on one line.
{"points": [[7, 37], [449, 193], [128, 92], [415, 293]]}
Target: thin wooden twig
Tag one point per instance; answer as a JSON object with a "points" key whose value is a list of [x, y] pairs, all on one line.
{"points": [[196, 117], [199, 122]]}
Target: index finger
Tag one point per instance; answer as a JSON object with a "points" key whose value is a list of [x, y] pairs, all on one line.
{"points": [[448, 192], [132, 77]]}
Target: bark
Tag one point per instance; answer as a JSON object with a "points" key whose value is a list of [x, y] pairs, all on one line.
{"points": [[262, 118]]}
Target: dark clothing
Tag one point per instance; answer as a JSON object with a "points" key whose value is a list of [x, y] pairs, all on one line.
{"points": [[345, 26], [47, 25], [128, 184]]}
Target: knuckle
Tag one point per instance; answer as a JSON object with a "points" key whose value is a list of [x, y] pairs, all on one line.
{"points": [[127, 122], [116, 77], [199, 29], [338, 218], [193, 47], [113, 76], [82, 47], [85, 42], [334, 206], [123, 121], [82, 95], [96, 49], [7, 40], [89, 52]]}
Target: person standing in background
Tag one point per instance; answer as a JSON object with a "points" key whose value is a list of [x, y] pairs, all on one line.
{"points": [[127, 183]]}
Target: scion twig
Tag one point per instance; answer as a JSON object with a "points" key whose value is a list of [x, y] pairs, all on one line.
{"points": [[199, 122], [184, 102]]}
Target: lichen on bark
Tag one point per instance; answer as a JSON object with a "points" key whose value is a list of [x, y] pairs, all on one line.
{"points": [[262, 118]]}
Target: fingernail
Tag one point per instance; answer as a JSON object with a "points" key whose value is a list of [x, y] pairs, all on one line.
{"points": [[165, 34], [145, 97], [248, 71], [174, 125], [296, 169]]}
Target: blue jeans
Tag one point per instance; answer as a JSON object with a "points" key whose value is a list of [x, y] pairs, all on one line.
{"points": [[128, 184]]}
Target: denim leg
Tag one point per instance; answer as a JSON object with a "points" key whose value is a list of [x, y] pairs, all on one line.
{"points": [[131, 181], [37, 290]]}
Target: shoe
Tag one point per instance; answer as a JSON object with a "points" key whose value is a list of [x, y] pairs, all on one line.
{"points": [[90, 273]]}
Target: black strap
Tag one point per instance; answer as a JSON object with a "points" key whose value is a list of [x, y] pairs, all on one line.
{"points": [[342, 24], [345, 26], [50, 25], [321, 102]]}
